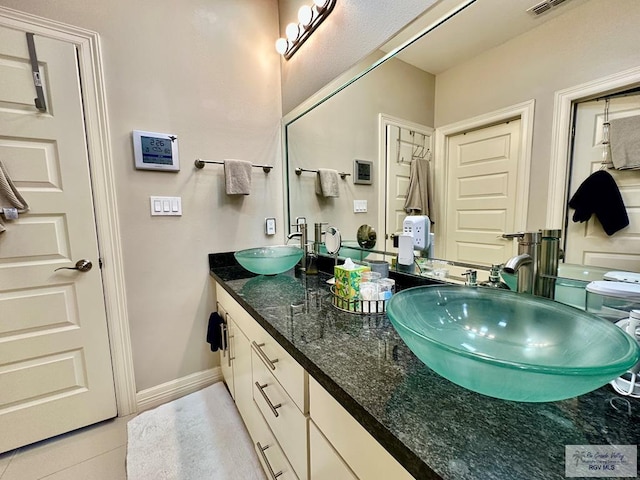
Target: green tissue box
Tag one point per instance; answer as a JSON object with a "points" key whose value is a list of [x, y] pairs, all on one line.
{"points": [[348, 280]]}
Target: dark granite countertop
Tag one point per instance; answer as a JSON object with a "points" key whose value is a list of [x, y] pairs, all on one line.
{"points": [[434, 428]]}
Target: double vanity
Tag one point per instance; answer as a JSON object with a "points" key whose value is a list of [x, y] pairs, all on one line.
{"points": [[330, 394]]}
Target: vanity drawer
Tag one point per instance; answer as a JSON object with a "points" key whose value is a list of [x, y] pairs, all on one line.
{"points": [[287, 423], [273, 460], [350, 440], [275, 358], [282, 366]]}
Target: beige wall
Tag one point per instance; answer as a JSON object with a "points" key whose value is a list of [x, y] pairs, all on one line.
{"points": [[353, 30], [205, 70], [594, 40], [350, 120]]}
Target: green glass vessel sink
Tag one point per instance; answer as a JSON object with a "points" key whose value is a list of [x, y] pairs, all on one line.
{"points": [[509, 345], [269, 260]]}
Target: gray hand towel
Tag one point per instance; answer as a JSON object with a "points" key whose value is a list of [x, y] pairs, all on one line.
{"points": [[327, 183], [9, 195], [419, 199], [625, 142], [237, 177]]}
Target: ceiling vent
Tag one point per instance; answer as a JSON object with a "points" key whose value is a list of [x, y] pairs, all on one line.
{"points": [[542, 7]]}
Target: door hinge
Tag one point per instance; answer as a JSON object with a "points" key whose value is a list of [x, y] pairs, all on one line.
{"points": [[100, 263]]}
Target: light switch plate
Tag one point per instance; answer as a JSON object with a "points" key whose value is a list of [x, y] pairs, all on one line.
{"points": [[270, 226], [359, 206], [167, 206]]}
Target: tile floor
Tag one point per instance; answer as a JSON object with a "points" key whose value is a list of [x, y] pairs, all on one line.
{"points": [[97, 452]]}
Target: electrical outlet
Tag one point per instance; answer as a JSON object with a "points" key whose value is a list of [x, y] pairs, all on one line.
{"points": [[270, 226], [418, 227]]}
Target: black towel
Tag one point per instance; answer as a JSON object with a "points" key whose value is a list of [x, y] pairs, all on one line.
{"points": [[599, 194], [214, 335]]}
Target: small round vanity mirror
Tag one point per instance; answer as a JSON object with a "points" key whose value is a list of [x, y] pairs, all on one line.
{"points": [[332, 240], [366, 236]]}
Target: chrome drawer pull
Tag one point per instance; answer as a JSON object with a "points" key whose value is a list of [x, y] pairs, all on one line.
{"points": [[258, 348], [261, 449], [266, 399]]}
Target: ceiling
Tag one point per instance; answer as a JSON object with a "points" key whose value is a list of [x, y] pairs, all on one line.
{"points": [[481, 25]]}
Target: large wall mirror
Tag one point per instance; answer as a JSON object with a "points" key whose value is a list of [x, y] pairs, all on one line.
{"points": [[486, 99]]}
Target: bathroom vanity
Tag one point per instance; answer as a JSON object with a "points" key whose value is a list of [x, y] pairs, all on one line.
{"points": [[352, 401]]}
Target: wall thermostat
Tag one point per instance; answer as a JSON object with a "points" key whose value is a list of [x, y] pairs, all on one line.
{"points": [[155, 151], [363, 172]]}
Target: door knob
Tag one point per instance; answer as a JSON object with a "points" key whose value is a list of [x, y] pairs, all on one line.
{"points": [[81, 265]]}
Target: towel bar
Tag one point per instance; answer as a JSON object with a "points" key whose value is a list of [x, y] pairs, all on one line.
{"points": [[199, 163], [300, 170]]}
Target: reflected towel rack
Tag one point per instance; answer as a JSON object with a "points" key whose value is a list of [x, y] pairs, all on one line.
{"points": [[300, 170], [199, 163]]}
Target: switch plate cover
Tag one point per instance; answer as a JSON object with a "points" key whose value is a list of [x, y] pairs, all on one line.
{"points": [[168, 206], [359, 206]]}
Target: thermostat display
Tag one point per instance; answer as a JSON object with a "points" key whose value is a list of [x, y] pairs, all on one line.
{"points": [[363, 172], [155, 151]]}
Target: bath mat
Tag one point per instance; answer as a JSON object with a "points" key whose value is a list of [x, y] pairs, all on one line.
{"points": [[198, 436]]}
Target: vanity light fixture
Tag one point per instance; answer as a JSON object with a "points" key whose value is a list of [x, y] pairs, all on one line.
{"points": [[309, 18]]}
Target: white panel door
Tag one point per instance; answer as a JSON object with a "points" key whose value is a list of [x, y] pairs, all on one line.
{"points": [[587, 243], [403, 144], [482, 172], [55, 364]]}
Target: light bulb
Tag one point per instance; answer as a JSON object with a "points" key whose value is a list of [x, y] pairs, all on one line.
{"points": [[292, 31], [282, 45], [305, 15]]}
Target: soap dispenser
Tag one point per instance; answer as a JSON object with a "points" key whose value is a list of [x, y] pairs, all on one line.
{"points": [[494, 278]]}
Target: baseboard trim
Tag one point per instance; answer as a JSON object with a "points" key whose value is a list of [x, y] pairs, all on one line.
{"points": [[166, 392]]}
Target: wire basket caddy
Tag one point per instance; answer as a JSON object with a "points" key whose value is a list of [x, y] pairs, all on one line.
{"points": [[358, 306]]}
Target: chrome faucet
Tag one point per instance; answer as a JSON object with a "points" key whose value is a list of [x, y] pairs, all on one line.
{"points": [[312, 261], [317, 236], [537, 261], [525, 264], [550, 254], [472, 278], [302, 234]]}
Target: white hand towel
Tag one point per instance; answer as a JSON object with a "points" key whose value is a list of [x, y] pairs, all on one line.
{"points": [[625, 142], [327, 183], [237, 177], [9, 195]]}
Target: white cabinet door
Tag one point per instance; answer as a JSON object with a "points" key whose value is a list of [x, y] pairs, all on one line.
{"points": [[324, 461], [226, 363], [242, 372], [364, 455]]}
